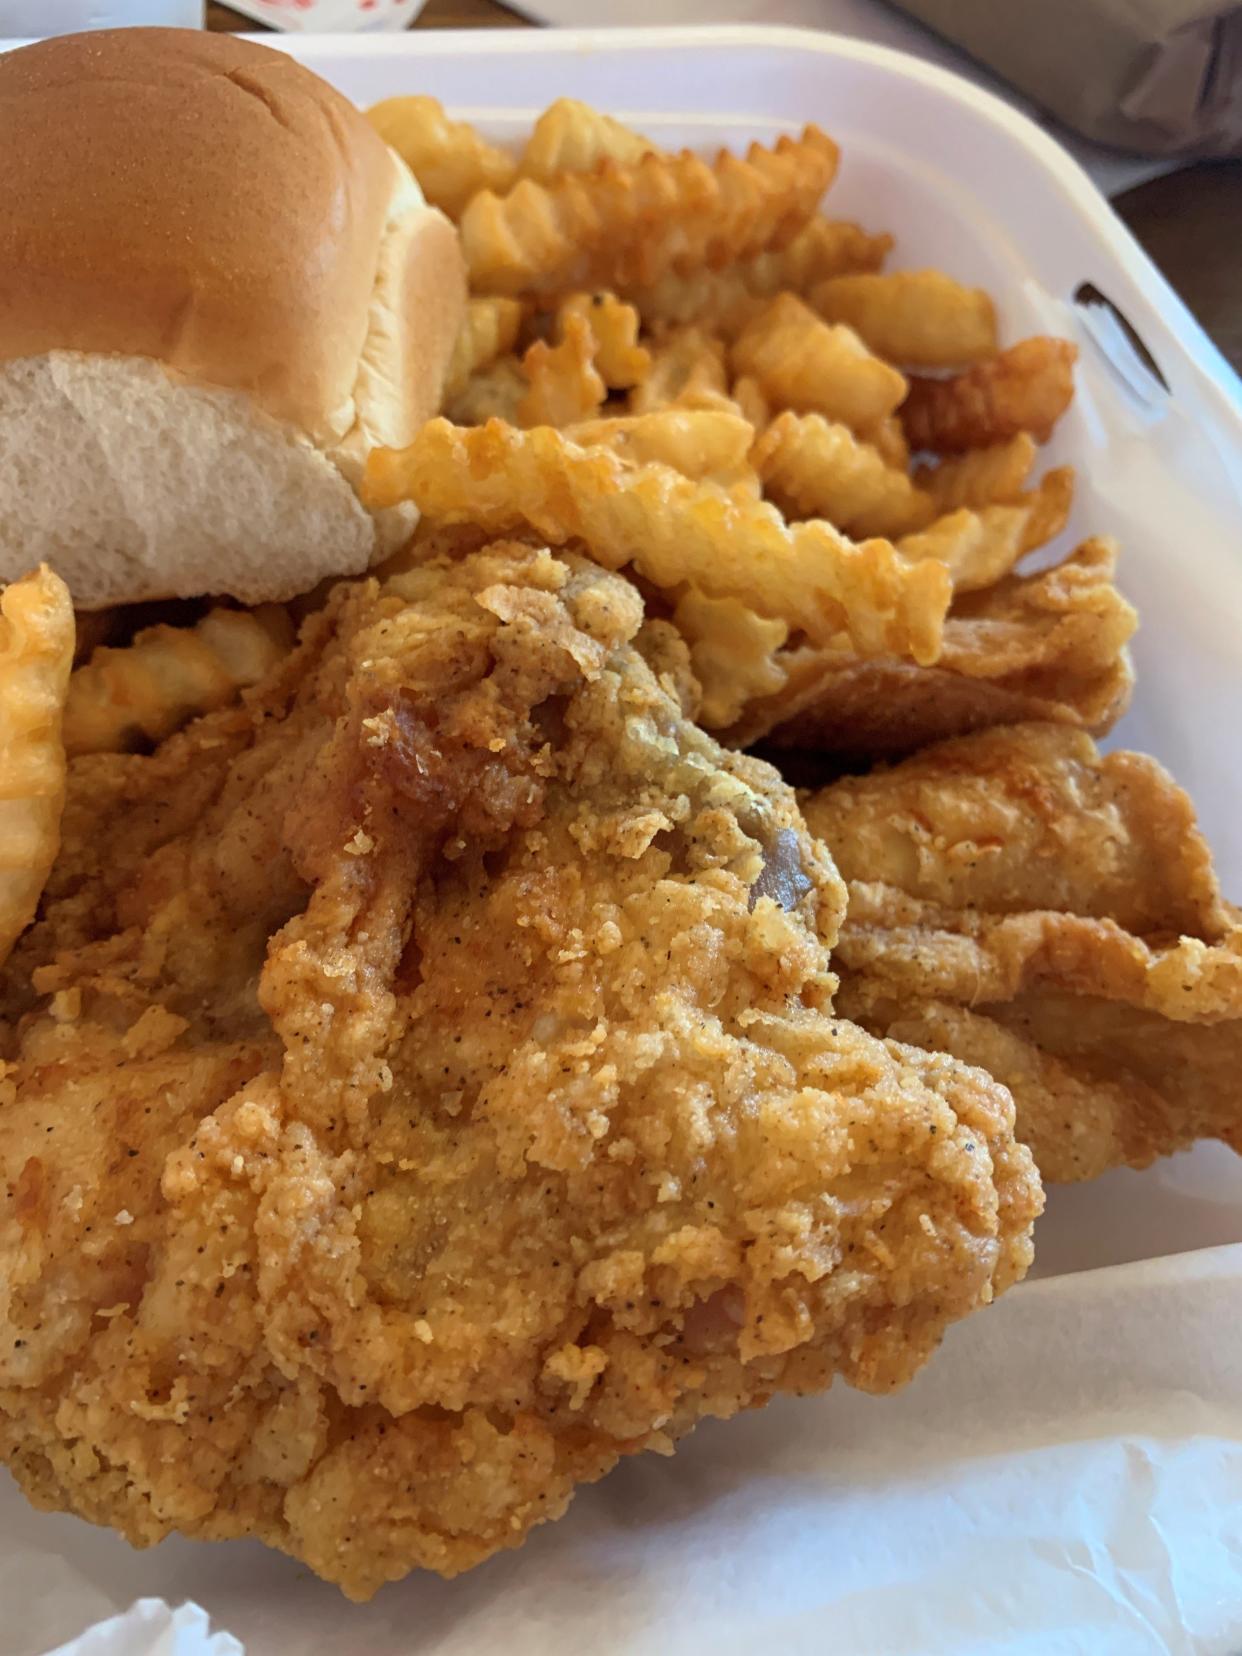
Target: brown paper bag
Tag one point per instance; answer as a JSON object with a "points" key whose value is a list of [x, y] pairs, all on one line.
{"points": [[1157, 76]]}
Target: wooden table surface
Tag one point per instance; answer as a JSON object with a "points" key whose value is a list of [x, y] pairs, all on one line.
{"points": [[1189, 221]]}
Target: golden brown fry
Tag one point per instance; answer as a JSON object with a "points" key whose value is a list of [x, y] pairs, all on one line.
{"points": [[169, 675], [564, 384], [888, 439], [732, 652], [493, 393], [626, 225], [922, 318], [450, 160], [1027, 904], [979, 548], [726, 300], [813, 468], [1050, 646], [812, 367], [36, 654], [489, 329], [1026, 388], [671, 530], [751, 403], [687, 371], [980, 477], [709, 445], [571, 137], [622, 362]]}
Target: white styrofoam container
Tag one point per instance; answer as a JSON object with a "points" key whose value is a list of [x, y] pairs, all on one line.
{"points": [[1043, 1486]]}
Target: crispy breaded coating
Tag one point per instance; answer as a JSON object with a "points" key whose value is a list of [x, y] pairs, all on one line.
{"points": [[423, 1090], [1053, 915], [1048, 646]]}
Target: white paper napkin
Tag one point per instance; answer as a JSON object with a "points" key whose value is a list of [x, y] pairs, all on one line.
{"points": [[1065, 1477]]}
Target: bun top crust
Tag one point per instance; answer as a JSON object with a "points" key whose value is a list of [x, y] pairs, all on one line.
{"points": [[124, 229]]}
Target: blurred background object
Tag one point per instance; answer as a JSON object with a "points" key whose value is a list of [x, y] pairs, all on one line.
{"points": [[68, 17], [331, 16], [1155, 76], [48, 17]]}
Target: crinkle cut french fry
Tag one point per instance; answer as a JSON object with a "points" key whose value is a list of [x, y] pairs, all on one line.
{"points": [[488, 330], [620, 226], [980, 547], [727, 299], [980, 477], [889, 441], [733, 653], [813, 468], [752, 405], [571, 137], [450, 160], [169, 675], [621, 361], [672, 531], [36, 655], [709, 445], [921, 318], [564, 383], [687, 370], [815, 367], [1026, 388]]}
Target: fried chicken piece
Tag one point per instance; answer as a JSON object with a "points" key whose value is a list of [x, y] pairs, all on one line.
{"points": [[1051, 914], [1047, 646], [424, 1090]]}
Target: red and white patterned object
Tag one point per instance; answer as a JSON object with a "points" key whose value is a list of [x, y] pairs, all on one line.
{"points": [[330, 16]]}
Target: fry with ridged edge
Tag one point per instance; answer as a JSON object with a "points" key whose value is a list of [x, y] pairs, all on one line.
{"points": [[450, 160], [672, 531], [36, 655], [622, 225], [980, 477], [709, 445], [687, 371], [1026, 388], [815, 367], [922, 318], [727, 299], [564, 383], [571, 137], [169, 675], [979, 548], [621, 361], [733, 653], [812, 467], [488, 330]]}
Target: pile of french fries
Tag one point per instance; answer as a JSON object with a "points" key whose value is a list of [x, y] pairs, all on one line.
{"points": [[686, 369], [822, 474]]}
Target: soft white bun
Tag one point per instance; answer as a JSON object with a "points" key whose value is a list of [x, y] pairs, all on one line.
{"points": [[219, 290]]}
